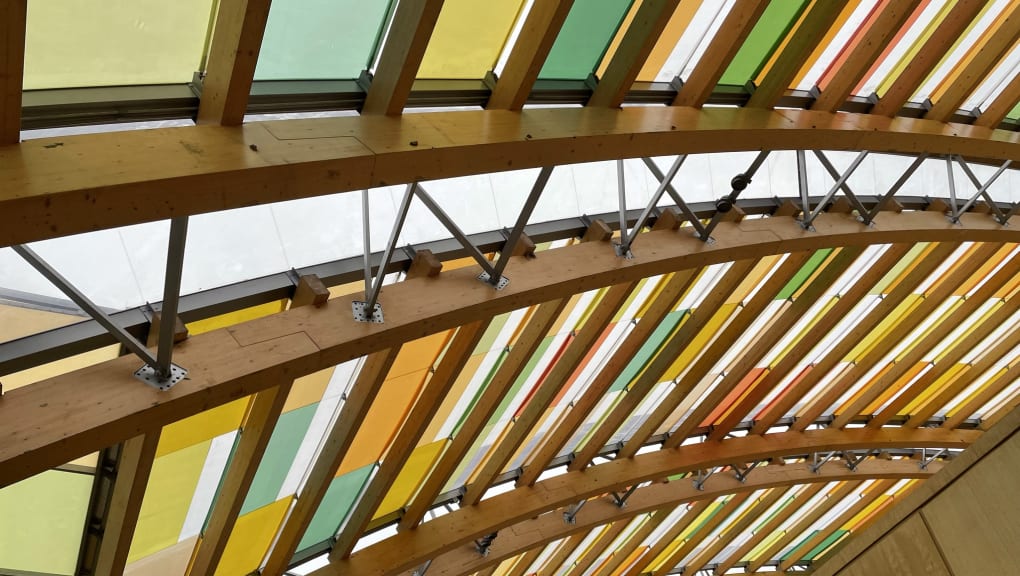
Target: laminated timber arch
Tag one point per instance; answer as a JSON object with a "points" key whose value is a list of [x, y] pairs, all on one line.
{"points": [[50, 422], [131, 177], [451, 532]]}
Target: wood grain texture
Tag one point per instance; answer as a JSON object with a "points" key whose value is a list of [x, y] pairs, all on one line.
{"points": [[13, 14], [233, 54]]}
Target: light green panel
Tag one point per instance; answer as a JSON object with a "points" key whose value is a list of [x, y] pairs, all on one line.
{"points": [[340, 497], [481, 390], [648, 349], [75, 43], [279, 456], [1015, 112], [763, 40], [320, 39], [800, 544], [41, 522], [586, 33], [804, 273]]}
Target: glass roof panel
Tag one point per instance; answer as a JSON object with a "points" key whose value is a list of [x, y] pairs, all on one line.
{"points": [[675, 28], [582, 41], [320, 39], [774, 24], [993, 85], [844, 35], [903, 49], [694, 40], [74, 43], [468, 38]]}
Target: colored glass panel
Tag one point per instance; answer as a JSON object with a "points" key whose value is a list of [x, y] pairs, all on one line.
{"points": [[734, 396], [172, 561], [43, 518], [825, 544], [308, 389], [586, 33], [343, 491], [73, 43], [468, 38], [320, 39], [250, 539], [772, 27], [279, 456], [675, 28], [411, 476], [1015, 112], [201, 427], [17, 322], [837, 44], [806, 271], [236, 317], [648, 349]]}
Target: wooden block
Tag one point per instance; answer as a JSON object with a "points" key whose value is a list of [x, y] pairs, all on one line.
{"points": [[669, 220], [841, 206], [598, 231], [310, 291], [937, 205], [892, 205], [736, 214], [180, 331], [525, 247], [787, 208], [425, 264]]}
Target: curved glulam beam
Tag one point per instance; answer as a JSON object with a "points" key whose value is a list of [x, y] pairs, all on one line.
{"points": [[60, 186], [547, 528], [52, 422], [446, 533]]}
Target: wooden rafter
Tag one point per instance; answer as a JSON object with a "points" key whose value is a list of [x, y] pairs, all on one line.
{"points": [[623, 553], [373, 372], [720, 52], [752, 515], [548, 388], [55, 427], [664, 358], [695, 539], [528, 54], [555, 563], [989, 391], [582, 564], [133, 469], [804, 40], [410, 548], [1001, 105], [233, 54], [538, 325], [13, 14], [927, 58], [891, 17], [525, 561], [696, 509], [638, 42], [408, 37]]}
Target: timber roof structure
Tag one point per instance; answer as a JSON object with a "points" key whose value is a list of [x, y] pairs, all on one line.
{"points": [[495, 287]]}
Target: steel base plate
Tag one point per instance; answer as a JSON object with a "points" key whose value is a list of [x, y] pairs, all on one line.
{"points": [[503, 281], [360, 314], [622, 252], [147, 374]]}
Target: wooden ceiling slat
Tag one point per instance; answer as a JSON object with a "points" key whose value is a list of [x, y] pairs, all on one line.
{"points": [[768, 528], [410, 434], [664, 358], [694, 540], [555, 563], [725, 537], [916, 275], [233, 55], [528, 54], [547, 390], [537, 327], [371, 377], [13, 14], [638, 42], [928, 57], [979, 67], [1001, 105], [987, 421], [804, 39], [675, 288], [522, 565], [582, 564], [623, 553], [990, 391], [931, 302], [720, 52], [659, 546], [893, 16], [408, 37]]}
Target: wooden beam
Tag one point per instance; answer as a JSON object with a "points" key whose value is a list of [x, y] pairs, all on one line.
{"points": [[526, 560], [803, 41], [52, 425], [373, 372], [695, 510], [148, 175], [133, 469], [446, 533], [769, 527], [674, 288], [547, 391], [406, 41], [721, 50], [664, 358], [969, 79], [538, 325], [987, 393], [638, 42], [582, 564], [888, 21], [1002, 105], [233, 54], [622, 553], [695, 539], [411, 431], [538, 33], [310, 291], [927, 58], [13, 14], [555, 563]]}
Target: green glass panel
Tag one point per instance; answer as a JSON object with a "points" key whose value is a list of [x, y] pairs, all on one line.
{"points": [[648, 349], [708, 517], [804, 273], [763, 40], [41, 522], [283, 447], [778, 509], [481, 389], [832, 539], [1015, 112], [320, 39], [489, 337], [343, 491], [586, 33], [800, 544]]}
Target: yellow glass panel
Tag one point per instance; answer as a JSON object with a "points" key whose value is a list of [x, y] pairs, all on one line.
{"points": [[879, 502], [800, 336], [419, 354], [201, 427], [415, 470], [984, 270], [171, 486], [754, 277], [921, 336], [468, 38], [700, 341], [667, 40], [250, 539], [974, 49], [954, 372], [764, 545], [17, 322], [625, 565], [615, 42], [72, 43], [172, 561], [232, 318], [59, 367], [992, 311], [308, 389], [910, 54], [557, 326], [888, 323], [906, 263], [451, 400]]}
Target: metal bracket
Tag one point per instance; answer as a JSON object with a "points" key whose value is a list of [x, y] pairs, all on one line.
{"points": [[483, 544], [816, 463], [421, 570], [570, 516], [361, 315], [622, 252], [700, 477], [926, 460], [852, 461], [503, 281], [148, 375], [621, 501], [742, 473]]}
